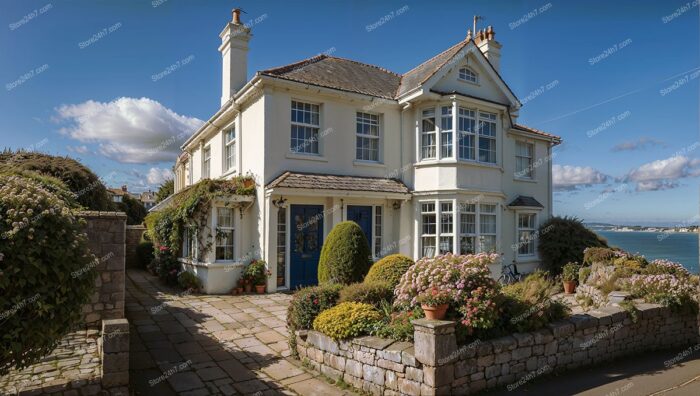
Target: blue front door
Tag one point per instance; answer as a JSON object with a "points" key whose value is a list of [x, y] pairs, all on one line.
{"points": [[362, 215], [306, 238]]}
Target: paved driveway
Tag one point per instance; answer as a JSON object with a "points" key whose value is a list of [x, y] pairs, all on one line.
{"points": [[209, 345]]}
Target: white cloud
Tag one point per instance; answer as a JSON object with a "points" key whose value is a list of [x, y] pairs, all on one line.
{"points": [[567, 177], [663, 174], [156, 176], [129, 130], [78, 149], [641, 143]]}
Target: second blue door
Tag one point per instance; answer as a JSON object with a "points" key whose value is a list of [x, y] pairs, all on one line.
{"points": [[362, 215]]}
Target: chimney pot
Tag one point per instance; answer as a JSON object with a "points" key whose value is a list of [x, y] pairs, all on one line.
{"points": [[236, 16], [124, 188]]}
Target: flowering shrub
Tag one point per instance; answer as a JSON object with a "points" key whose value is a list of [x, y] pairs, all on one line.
{"points": [[346, 320], [663, 266], [397, 325], [189, 281], [663, 289], [47, 272], [434, 297], [308, 302], [457, 275]]}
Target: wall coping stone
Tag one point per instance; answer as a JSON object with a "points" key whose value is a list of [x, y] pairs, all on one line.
{"points": [[583, 321], [97, 213], [373, 342]]}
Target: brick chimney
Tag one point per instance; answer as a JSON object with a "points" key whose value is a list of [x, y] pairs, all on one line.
{"points": [[486, 41], [234, 54], [124, 188]]}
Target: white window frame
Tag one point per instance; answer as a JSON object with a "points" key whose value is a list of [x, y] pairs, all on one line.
{"points": [[427, 236], [190, 172], [528, 173], [282, 245], [206, 162], [426, 149], [469, 209], [295, 142], [447, 135], [224, 228], [470, 116], [441, 223], [363, 118], [229, 149], [533, 232], [483, 118], [482, 234], [190, 242], [466, 74]]}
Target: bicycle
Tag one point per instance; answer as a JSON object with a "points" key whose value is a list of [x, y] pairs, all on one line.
{"points": [[509, 274]]}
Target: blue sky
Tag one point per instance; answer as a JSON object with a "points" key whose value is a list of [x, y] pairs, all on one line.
{"points": [[615, 79]]}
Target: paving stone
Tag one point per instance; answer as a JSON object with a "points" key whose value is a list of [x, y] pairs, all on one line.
{"points": [[282, 369]]}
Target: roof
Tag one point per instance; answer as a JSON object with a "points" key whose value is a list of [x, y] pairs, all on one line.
{"points": [[419, 74], [339, 73], [117, 191], [526, 201], [537, 132], [318, 181]]}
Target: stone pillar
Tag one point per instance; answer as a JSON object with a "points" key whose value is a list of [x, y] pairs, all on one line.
{"points": [[115, 353], [435, 344]]}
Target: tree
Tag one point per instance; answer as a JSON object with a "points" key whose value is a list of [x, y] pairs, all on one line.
{"points": [[134, 209], [165, 190], [563, 240]]}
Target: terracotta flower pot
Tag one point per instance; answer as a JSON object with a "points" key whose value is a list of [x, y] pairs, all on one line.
{"points": [[248, 287], [247, 183], [569, 287], [260, 289], [434, 312]]}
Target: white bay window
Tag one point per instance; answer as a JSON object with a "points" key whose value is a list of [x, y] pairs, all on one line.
{"points": [[428, 135], [526, 234]]}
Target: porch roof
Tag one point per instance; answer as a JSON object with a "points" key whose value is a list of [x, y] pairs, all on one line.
{"points": [[319, 181], [525, 201]]}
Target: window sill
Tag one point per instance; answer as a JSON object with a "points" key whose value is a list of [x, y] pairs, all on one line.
{"points": [[307, 157], [450, 161], [228, 173], [527, 259], [374, 164], [519, 179]]}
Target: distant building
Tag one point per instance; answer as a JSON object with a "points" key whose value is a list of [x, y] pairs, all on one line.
{"points": [[118, 194], [148, 199]]}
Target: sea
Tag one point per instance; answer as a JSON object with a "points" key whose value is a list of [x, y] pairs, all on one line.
{"points": [[679, 247]]}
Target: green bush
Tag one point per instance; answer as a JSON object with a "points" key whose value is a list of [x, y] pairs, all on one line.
{"points": [[308, 302], [134, 209], [563, 240], [47, 272], [396, 325], [189, 281], [593, 255], [389, 269], [165, 190], [347, 320], [166, 265], [256, 272], [570, 272], [527, 305], [87, 187], [144, 254], [345, 256], [374, 293]]}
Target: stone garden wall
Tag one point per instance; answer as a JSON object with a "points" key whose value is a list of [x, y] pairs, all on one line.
{"points": [[133, 237], [106, 233], [434, 365]]}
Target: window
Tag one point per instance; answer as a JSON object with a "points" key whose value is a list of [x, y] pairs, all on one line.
{"points": [[305, 126], [224, 234], [206, 162], [367, 141], [487, 228], [428, 138], [487, 137], [466, 74], [377, 231], [428, 229], [189, 242], [446, 227], [523, 160], [467, 136], [467, 228], [229, 148], [526, 234], [190, 174], [446, 132], [281, 246]]}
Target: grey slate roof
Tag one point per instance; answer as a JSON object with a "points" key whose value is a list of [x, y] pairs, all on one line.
{"points": [[416, 76], [318, 181], [340, 73], [523, 200]]}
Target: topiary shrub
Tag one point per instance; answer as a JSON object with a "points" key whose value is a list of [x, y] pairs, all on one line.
{"points": [[345, 256], [47, 272], [87, 187], [375, 293], [389, 269], [347, 320], [563, 240]]}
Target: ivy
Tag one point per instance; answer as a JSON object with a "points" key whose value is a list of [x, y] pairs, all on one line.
{"points": [[191, 207]]}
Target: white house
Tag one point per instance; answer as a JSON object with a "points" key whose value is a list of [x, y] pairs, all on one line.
{"points": [[426, 162]]}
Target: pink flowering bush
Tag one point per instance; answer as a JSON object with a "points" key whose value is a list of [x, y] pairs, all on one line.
{"points": [[466, 280], [663, 289], [663, 266]]}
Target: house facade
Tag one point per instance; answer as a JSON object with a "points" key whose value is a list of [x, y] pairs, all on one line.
{"points": [[426, 162]]}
